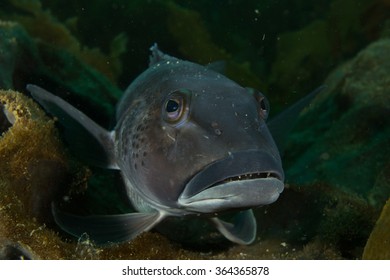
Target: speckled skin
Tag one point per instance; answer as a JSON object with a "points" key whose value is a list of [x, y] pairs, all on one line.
{"points": [[159, 158]]}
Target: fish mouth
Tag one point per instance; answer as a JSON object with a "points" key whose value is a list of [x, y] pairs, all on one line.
{"points": [[242, 180], [248, 176]]}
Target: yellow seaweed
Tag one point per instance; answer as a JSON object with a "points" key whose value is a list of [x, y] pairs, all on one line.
{"points": [[28, 149], [378, 244], [30, 155]]}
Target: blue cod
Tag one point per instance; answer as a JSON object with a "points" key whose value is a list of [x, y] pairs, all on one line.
{"points": [[188, 141]]}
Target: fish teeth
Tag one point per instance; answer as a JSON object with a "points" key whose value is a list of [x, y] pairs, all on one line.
{"points": [[248, 176]]}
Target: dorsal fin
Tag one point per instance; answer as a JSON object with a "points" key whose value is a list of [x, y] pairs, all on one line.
{"points": [[281, 125], [158, 56], [218, 66], [90, 141]]}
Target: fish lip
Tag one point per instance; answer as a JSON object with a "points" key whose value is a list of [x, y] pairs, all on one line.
{"points": [[236, 164], [234, 195]]}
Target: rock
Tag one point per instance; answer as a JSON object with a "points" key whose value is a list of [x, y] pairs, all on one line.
{"points": [[14, 251], [342, 139]]}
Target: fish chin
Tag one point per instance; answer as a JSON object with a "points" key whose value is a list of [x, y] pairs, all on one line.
{"points": [[241, 194]]}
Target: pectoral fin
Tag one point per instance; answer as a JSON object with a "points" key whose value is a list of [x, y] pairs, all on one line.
{"points": [[90, 141], [241, 231], [107, 228]]}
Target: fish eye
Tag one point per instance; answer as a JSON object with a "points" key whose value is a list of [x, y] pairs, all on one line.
{"points": [[176, 106], [263, 105], [173, 107]]}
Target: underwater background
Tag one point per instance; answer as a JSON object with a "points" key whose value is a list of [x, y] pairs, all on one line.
{"points": [[337, 158]]}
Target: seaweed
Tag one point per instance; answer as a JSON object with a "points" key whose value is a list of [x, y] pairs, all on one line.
{"points": [[378, 244], [43, 25], [32, 155]]}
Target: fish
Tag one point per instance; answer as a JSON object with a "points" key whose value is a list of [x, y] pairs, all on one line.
{"points": [[188, 141]]}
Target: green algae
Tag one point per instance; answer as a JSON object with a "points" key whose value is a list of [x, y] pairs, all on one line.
{"points": [[31, 61], [43, 25], [300, 52], [198, 45]]}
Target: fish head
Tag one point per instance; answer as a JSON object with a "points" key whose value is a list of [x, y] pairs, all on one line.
{"points": [[201, 144]]}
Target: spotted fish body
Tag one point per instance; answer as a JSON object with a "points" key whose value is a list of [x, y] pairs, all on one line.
{"points": [[188, 141]]}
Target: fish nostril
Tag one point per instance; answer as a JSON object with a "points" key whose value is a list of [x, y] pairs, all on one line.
{"points": [[217, 131], [216, 128]]}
